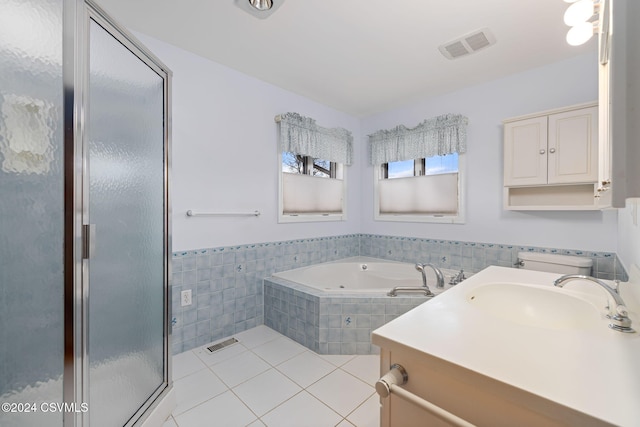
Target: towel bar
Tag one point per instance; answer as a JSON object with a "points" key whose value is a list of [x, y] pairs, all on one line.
{"points": [[192, 213], [397, 376]]}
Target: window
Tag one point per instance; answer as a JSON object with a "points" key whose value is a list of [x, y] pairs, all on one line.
{"points": [[312, 164], [299, 164], [311, 189], [421, 190], [430, 166], [419, 173]]}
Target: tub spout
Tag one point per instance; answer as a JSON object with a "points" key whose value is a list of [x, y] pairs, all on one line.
{"points": [[439, 275]]}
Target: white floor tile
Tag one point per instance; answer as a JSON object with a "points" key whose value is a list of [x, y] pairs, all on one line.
{"points": [[266, 391], [367, 414], [306, 368], [333, 397], [302, 410], [341, 392], [226, 353], [337, 359], [224, 410], [257, 336], [186, 363], [366, 367], [239, 369], [195, 389], [279, 350]]}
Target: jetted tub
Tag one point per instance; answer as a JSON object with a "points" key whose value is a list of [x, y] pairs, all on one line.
{"points": [[363, 275], [331, 308]]}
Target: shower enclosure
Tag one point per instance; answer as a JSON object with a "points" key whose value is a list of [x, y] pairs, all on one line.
{"points": [[84, 219]]}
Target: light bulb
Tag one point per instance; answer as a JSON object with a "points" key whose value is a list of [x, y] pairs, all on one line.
{"points": [[579, 12], [580, 34]]}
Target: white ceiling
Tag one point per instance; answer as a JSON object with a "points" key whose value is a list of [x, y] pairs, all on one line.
{"points": [[359, 56]]}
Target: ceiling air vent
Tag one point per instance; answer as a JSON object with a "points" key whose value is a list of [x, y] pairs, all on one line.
{"points": [[467, 44]]}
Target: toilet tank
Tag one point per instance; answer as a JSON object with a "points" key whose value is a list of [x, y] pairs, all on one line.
{"points": [[563, 264]]}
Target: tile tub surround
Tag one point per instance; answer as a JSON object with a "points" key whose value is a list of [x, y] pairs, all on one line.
{"points": [[226, 284], [476, 256], [330, 323], [227, 288]]}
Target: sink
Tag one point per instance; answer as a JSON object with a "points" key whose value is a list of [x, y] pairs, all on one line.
{"points": [[533, 305]]}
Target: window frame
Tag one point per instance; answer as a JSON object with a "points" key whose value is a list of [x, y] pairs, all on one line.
{"points": [[336, 169], [419, 167]]}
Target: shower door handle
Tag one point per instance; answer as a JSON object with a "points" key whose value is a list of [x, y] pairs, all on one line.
{"points": [[88, 241]]}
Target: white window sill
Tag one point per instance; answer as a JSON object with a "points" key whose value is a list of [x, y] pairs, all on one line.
{"points": [[444, 219], [285, 218]]}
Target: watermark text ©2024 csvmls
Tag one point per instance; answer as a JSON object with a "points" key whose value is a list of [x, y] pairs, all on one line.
{"points": [[19, 407]]}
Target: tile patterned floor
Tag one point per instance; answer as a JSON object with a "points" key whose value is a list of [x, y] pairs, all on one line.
{"points": [[266, 379]]}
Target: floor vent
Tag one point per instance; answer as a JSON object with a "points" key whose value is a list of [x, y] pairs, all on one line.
{"points": [[467, 44], [221, 345]]}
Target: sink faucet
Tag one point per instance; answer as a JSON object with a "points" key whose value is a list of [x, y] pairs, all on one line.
{"points": [[620, 319], [439, 275]]}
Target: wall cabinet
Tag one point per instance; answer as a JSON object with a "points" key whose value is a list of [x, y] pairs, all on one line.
{"points": [[551, 160]]}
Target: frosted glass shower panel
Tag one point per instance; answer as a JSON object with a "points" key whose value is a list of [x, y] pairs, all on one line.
{"points": [[126, 172], [31, 209]]}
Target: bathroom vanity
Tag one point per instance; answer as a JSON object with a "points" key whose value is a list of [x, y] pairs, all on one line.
{"points": [[505, 347]]}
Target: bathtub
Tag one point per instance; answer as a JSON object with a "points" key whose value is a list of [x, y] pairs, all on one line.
{"points": [[362, 275], [332, 308]]}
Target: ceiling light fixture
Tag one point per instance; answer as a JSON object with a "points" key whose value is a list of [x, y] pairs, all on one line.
{"points": [[260, 9], [261, 4], [579, 34], [586, 18], [579, 12]]}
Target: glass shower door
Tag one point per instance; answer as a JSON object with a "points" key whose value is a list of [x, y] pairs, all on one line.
{"points": [[125, 170], [31, 211]]}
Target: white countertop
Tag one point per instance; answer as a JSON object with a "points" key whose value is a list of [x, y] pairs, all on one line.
{"points": [[595, 371]]}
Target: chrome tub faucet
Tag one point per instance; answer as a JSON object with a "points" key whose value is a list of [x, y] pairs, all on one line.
{"points": [[439, 275]]}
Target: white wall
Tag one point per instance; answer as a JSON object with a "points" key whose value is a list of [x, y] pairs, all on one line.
{"points": [[224, 157], [629, 234], [565, 83], [224, 154]]}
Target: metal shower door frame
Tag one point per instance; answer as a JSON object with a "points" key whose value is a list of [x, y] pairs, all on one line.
{"points": [[75, 71]]}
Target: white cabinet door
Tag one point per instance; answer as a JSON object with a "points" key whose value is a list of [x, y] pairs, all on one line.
{"points": [[525, 152], [573, 147]]}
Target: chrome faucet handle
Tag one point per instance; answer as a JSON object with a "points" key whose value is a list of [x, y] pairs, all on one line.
{"points": [[457, 278]]}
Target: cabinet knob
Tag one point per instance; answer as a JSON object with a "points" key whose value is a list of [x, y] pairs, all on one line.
{"points": [[552, 150], [542, 151]]}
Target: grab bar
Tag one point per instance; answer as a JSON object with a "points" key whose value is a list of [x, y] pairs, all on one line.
{"points": [[394, 292], [192, 213], [397, 376]]}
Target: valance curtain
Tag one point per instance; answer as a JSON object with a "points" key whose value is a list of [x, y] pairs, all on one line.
{"points": [[445, 134], [301, 135]]}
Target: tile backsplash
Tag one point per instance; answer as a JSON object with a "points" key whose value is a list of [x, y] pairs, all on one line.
{"points": [[227, 287]]}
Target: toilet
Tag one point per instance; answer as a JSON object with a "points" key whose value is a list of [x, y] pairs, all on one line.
{"points": [[552, 263]]}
